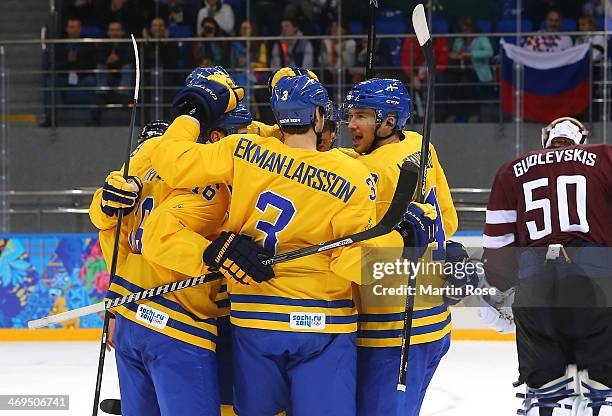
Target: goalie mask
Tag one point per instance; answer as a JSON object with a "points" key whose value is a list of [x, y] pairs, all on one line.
{"points": [[564, 127]]}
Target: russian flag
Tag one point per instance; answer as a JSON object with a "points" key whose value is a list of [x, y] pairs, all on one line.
{"points": [[555, 84]]}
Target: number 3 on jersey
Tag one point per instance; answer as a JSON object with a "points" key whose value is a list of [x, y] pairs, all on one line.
{"points": [[271, 230]]}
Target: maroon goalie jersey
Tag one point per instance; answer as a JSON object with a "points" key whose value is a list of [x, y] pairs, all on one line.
{"points": [[551, 196]]}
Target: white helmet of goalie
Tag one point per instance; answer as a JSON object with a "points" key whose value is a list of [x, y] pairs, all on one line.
{"points": [[568, 128]]}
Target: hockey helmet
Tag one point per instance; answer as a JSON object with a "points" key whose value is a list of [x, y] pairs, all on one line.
{"points": [[566, 127], [152, 129], [294, 100], [289, 71], [235, 119], [384, 96]]}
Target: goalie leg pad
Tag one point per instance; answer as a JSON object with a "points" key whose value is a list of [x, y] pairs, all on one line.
{"points": [[599, 395], [556, 398]]}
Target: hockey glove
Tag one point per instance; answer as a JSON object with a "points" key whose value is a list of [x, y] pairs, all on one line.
{"points": [[119, 193], [460, 274], [208, 99], [238, 257], [418, 229]]}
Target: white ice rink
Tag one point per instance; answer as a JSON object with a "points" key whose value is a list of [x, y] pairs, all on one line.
{"points": [[474, 379]]}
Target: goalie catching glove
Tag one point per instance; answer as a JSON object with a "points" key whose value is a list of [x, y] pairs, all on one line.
{"points": [[418, 229], [239, 258], [206, 99], [119, 193]]}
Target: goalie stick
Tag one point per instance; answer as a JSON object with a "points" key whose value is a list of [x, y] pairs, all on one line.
{"points": [[113, 270], [404, 190], [422, 31]]}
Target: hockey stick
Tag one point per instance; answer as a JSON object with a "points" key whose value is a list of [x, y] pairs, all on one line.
{"points": [[420, 27], [404, 190], [371, 38], [113, 270]]}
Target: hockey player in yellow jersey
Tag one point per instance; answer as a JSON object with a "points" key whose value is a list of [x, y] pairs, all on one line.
{"points": [[294, 335], [165, 345], [377, 111]]}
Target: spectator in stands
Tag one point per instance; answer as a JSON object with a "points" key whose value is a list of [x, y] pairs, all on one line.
{"points": [[159, 54], [594, 8], [470, 57], [115, 63], [306, 13], [116, 56], [72, 61], [84, 11], [337, 54], [598, 42], [382, 61], [549, 43], [125, 11], [415, 69], [176, 12], [221, 12], [160, 60], [537, 10], [211, 53], [587, 24], [253, 53], [293, 51]]}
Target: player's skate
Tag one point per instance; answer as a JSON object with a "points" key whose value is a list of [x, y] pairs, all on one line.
{"points": [[598, 396], [559, 397]]}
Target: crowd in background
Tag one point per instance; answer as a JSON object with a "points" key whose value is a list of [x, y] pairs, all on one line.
{"points": [[466, 65]]}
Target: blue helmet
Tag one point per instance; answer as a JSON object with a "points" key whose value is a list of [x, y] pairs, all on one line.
{"points": [[235, 119], [203, 72], [384, 96], [295, 99]]}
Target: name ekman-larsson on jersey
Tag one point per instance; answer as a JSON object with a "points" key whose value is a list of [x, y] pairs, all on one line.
{"points": [[316, 178]]}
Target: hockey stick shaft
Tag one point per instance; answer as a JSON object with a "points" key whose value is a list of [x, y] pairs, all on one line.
{"points": [[371, 38], [401, 198], [420, 26], [405, 188], [126, 169]]}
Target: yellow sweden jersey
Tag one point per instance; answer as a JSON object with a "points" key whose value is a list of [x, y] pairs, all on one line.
{"points": [[381, 326], [286, 198], [162, 241]]}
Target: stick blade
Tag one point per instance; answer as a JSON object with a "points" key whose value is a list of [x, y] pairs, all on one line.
{"points": [[420, 24]]}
